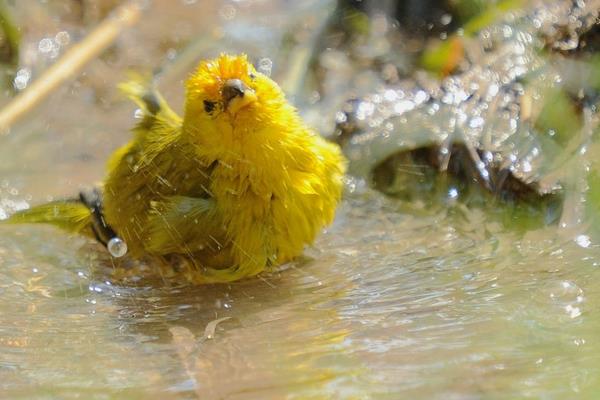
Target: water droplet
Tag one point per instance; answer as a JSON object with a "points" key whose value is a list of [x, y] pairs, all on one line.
{"points": [[227, 12], [45, 45], [117, 247], [446, 19], [265, 66], [365, 109], [62, 38], [583, 241], [476, 122], [572, 311], [568, 295], [493, 90], [138, 114], [171, 54], [22, 78], [452, 193], [94, 288], [403, 106], [421, 96], [390, 95], [340, 117]]}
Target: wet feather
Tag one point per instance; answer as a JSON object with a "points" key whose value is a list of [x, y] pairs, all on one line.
{"points": [[238, 185]]}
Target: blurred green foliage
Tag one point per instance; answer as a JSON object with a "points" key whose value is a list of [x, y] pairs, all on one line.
{"points": [[558, 117], [443, 58], [9, 43]]}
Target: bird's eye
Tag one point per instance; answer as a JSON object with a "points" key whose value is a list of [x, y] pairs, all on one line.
{"points": [[252, 76], [209, 106]]}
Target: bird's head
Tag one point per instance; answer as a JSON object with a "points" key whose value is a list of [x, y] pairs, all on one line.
{"points": [[228, 102]]}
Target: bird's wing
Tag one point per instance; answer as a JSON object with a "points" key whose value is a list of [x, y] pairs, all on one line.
{"points": [[158, 124], [154, 108], [192, 227], [181, 224]]}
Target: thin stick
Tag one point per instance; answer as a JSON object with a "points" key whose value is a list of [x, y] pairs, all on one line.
{"points": [[71, 62]]}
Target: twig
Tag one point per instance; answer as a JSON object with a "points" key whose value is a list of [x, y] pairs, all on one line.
{"points": [[73, 60]]}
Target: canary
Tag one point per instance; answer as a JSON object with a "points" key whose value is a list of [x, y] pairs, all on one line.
{"points": [[238, 185]]}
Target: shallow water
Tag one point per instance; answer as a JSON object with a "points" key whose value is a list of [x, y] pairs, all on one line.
{"points": [[395, 300], [387, 305]]}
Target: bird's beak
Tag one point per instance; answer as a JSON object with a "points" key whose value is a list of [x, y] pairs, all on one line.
{"points": [[236, 95]]}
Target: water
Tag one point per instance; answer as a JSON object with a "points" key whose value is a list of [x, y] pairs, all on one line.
{"points": [[423, 306], [395, 300], [116, 247]]}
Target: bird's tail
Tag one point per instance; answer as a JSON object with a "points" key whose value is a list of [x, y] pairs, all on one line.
{"points": [[70, 215], [82, 216]]}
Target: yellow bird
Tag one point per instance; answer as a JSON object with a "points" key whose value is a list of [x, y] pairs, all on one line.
{"points": [[238, 185]]}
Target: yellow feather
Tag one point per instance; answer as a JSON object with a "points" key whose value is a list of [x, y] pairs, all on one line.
{"points": [[71, 216], [238, 185]]}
